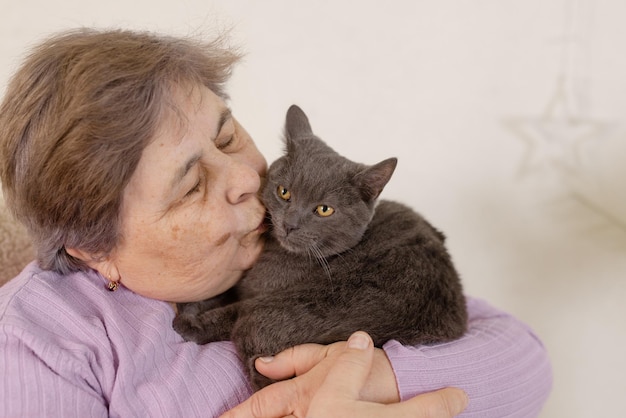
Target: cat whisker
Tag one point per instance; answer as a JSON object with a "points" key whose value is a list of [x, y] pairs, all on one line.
{"points": [[312, 256], [341, 255], [315, 250]]}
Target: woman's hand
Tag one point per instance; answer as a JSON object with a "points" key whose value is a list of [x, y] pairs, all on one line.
{"points": [[333, 381]]}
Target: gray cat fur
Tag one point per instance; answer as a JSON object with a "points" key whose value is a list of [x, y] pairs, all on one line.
{"points": [[380, 268]]}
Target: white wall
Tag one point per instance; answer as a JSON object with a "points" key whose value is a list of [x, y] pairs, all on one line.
{"points": [[523, 173]]}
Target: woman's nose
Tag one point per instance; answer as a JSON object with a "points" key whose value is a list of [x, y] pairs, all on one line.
{"points": [[244, 181]]}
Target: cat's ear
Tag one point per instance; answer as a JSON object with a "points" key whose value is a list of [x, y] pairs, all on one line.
{"points": [[373, 179], [296, 124]]}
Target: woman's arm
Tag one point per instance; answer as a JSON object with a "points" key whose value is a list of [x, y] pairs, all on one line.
{"points": [[500, 364], [340, 393]]}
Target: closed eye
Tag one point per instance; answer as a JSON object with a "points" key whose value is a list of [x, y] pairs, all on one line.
{"points": [[226, 143], [194, 189]]}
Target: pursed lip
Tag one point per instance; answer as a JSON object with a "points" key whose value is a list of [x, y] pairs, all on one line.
{"points": [[264, 222], [253, 235], [263, 226]]}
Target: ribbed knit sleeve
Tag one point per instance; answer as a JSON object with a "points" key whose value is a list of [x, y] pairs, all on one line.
{"points": [[32, 386], [500, 363], [70, 348]]}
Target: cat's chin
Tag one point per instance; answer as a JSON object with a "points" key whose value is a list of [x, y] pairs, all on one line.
{"points": [[307, 249], [293, 244], [290, 246]]}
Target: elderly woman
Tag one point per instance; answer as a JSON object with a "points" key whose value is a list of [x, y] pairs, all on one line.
{"points": [[139, 188]]}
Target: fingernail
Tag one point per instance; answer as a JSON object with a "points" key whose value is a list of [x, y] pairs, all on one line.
{"points": [[359, 341], [267, 359]]}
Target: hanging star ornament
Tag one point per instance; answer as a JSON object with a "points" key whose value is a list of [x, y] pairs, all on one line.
{"points": [[554, 137], [560, 145]]}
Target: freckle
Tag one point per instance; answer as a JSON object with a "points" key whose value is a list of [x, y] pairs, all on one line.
{"points": [[175, 230], [222, 239]]}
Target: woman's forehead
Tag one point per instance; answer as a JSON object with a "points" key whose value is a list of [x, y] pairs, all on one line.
{"points": [[189, 107]]}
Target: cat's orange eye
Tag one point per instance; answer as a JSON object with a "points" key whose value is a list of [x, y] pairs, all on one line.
{"points": [[284, 193], [324, 210]]}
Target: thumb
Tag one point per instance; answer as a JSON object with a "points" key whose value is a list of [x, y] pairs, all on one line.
{"points": [[348, 374], [447, 402]]}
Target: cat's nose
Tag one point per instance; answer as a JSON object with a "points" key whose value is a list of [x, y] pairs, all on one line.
{"points": [[290, 227]]}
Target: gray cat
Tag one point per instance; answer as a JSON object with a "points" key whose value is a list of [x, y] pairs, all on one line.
{"points": [[334, 263]]}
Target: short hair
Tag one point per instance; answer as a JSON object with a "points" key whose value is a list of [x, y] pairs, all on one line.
{"points": [[74, 121]]}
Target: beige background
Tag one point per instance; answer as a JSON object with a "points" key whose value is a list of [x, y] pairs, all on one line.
{"points": [[507, 117]]}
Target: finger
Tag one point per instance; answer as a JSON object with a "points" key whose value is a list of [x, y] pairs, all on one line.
{"points": [[293, 361], [351, 369], [443, 403], [272, 401]]}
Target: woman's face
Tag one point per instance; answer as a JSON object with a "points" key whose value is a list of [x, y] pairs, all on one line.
{"points": [[191, 218]]}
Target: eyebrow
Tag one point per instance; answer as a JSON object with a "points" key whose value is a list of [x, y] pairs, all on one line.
{"points": [[225, 116]]}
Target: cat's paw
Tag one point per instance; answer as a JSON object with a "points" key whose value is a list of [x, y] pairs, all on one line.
{"points": [[206, 326], [257, 380], [190, 328]]}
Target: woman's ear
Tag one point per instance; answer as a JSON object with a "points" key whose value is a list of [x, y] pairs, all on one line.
{"points": [[102, 264]]}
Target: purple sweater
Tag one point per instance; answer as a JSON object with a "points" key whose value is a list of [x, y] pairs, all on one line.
{"points": [[70, 348]]}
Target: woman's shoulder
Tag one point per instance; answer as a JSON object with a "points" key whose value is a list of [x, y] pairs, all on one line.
{"points": [[62, 308], [114, 345], [36, 292], [15, 295], [48, 319]]}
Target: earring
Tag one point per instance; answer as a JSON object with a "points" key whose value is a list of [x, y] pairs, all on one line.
{"points": [[112, 286]]}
